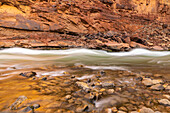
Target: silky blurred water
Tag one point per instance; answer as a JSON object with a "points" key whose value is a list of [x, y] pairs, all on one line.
{"points": [[14, 59]]}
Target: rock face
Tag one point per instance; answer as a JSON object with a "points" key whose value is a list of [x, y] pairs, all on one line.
{"points": [[115, 25]]}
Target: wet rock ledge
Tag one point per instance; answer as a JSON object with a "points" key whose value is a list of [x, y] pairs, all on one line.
{"points": [[112, 25]]}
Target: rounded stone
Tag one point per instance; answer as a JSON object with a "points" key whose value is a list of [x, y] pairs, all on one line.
{"points": [[67, 97], [36, 106], [165, 102], [146, 110]]}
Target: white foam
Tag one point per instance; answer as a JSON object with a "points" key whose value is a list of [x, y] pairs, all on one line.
{"points": [[141, 52], [135, 52], [85, 77], [105, 67], [52, 73]]}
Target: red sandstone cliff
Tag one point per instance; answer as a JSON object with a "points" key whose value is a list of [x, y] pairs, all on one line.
{"points": [[114, 25]]}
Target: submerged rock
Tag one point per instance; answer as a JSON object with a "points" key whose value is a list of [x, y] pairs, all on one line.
{"points": [[83, 85], [107, 84], [36, 106], [110, 101], [15, 105], [27, 109], [44, 78], [28, 74], [102, 73], [81, 108]]}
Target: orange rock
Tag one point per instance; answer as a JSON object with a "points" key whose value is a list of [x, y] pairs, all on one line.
{"points": [[69, 20]]}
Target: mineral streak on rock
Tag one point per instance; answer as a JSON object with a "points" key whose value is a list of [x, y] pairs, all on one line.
{"points": [[116, 25]]}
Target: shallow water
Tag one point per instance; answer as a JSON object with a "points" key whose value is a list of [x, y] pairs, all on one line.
{"points": [[84, 65], [15, 60]]}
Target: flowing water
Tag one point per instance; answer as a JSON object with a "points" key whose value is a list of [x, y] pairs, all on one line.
{"points": [[62, 68], [15, 60]]}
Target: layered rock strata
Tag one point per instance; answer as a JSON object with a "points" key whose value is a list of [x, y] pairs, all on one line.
{"points": [[113, 25]]}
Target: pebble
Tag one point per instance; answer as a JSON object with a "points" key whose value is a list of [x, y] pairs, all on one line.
{"points": [[36, 106], [134, 112], [150, 82], [89, 96], [102, 73], [67, 97], [167, 88], [123, 108], [73, 76], [81, 108], [139, 78], [83, 85], [44, 78], [157, 87], [167, 96], [107, 84], [110, 91], [108, 110], [157, 81], [164, 102], [121, 112], [147, 81], [157, 75], [114, 109], [146, 110], [27, 109], [157, 112]]}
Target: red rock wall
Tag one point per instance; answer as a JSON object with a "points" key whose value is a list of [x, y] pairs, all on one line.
{"points": [[84, 17]]}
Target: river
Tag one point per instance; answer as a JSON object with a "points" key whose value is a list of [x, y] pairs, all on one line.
{"points": [[14, 60], [83, 80]]}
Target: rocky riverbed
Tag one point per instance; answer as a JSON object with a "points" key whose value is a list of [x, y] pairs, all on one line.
{"points": [[80, 89], [55, 81]]}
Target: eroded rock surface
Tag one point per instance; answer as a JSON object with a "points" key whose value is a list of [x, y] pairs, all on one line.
{"points": [[113, 25]]}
